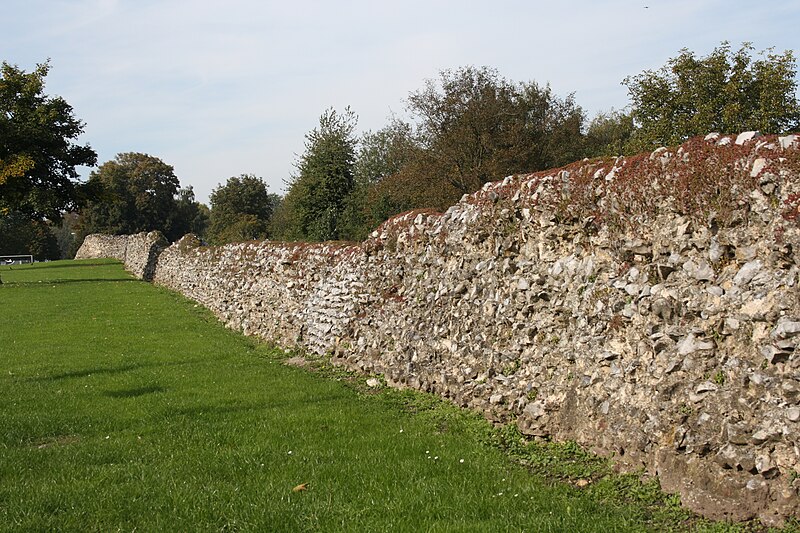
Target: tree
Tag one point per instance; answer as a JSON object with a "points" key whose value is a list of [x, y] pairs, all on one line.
{"points": [[136, 193], [190, 216], [318, 194], [384, 152], [241, 210], [726, 91], [608, 134], [21, 235], [38, 154], [476, 126], [380, 155], [65, 235]]}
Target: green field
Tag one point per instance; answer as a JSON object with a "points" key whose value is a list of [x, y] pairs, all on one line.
{"points": [[127, 407]]}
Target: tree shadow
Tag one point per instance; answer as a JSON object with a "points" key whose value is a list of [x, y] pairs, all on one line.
{"points": [[134, 393], [62, 281], [86, 373], [60, 264]]}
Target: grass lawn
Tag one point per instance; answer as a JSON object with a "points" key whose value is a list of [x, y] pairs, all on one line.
{"points": [[124, 406]]}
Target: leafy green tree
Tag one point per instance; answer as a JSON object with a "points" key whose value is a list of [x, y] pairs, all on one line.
{"points": [[241, 210], [189, 216], [38, 153], [726, 91], [380, 155], [65, 235], [137, 193], [384, 152], [608, 134], [476, 126], [318, 194], [21, 235]]}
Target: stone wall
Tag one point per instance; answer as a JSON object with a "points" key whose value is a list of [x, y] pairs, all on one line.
{"points": [[644, 307], [138, 252]]}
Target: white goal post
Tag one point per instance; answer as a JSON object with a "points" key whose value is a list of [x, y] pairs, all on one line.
{"points": [[15, 259]]}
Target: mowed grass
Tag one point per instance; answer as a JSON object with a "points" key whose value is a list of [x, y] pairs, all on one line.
{"points": [[124, 406]]}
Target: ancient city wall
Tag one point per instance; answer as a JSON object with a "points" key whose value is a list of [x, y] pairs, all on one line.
{"points": [[138, 252], [645, 307]]}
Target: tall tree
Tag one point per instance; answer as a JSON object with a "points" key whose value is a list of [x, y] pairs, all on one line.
{"points": [[380, 155], [137, 194], [476, 127], [726, 91], [318, 194], [190, 216], [241, 210], [38, 153]]}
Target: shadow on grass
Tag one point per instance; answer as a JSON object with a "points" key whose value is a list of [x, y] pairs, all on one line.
{"points": [[135, 393], [61, 281], [86, 373], [63, 264], [195, 411], [113, 370]]}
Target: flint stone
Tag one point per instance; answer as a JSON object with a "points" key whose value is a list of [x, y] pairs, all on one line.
{"points": [[534, 409], [706, 386], [764, 465], [745, 253], [662, 308], [731, 325], [699, 270], [747, 136], [758, 165], [785, 330], [747, 272], [787, 141], [690, 344], [773, 354], [715, 290], [763, 435]]}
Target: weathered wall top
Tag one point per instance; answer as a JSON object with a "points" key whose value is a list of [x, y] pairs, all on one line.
{"points": [[646, 307]]}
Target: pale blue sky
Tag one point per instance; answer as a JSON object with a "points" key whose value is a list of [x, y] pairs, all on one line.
{"points": [[220, 88]]}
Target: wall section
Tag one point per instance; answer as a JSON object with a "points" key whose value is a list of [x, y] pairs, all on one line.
{"points": [[138, 252], [612, 302]]}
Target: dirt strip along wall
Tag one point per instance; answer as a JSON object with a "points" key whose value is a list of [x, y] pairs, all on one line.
{"points": [[645, 307]]}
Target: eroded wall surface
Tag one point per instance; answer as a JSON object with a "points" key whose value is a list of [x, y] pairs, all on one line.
{"points": [[614, 302], [138, 252]]}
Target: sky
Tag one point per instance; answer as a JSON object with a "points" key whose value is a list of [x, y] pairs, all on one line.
{"points": [[221, 88]]}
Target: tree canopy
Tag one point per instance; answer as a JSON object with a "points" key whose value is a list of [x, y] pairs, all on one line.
{"points": [[137, 192], [190, 215], [318, 194], [726, 92], [38, 152], [21, 235], [241, 210], [475, 126]]}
